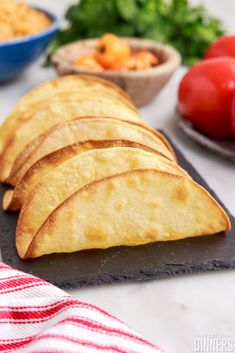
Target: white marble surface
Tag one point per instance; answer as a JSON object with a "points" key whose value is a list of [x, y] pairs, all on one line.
{"points": [[169, 312]]}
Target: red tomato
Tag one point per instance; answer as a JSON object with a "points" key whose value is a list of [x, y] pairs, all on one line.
{"points": [[224, 46], [233, 114], [205, 96]]}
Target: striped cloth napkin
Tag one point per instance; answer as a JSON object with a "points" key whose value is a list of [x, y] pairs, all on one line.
{"points": [[36, 317]]}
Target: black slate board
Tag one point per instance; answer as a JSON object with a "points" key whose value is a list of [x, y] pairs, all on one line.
{"points": [[156, 260]]}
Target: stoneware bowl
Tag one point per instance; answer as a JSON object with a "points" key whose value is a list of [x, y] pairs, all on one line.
{"points": [[142, 86], [18, 54]]}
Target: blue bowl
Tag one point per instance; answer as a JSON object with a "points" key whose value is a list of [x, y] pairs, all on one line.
{"points": [[16, 55]]}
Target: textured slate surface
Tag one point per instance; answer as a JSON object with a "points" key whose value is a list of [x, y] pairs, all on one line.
{"points": [[157, 260]]}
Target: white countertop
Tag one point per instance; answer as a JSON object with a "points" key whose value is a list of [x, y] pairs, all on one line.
{"points": [[169, 312]]}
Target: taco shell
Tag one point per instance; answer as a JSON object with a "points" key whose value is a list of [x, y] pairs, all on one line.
{"points": [[133, 208], [13, 199], [50, 89], [73, 174], [83, 129], [63, 108]]}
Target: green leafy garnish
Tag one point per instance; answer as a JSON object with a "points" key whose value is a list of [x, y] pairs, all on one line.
{"points": [[188, 28]]}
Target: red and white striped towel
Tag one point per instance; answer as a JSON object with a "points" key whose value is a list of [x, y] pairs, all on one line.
{"points": [[36, 317]]}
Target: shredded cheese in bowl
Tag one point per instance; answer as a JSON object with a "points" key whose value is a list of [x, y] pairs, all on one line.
{"points": [[18, 20]]}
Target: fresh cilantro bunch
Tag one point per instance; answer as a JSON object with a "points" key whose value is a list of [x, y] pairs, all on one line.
{"points": [[188, 28]]}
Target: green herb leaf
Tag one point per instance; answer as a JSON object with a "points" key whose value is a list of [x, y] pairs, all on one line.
{"points": [[127, 9], [190, 29]]}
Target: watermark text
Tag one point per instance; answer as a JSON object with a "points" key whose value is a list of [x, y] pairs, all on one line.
{"points": [[214, 344]]}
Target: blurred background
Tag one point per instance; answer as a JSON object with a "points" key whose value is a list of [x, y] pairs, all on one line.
{"points": [[224, 9], [192, 301]]}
